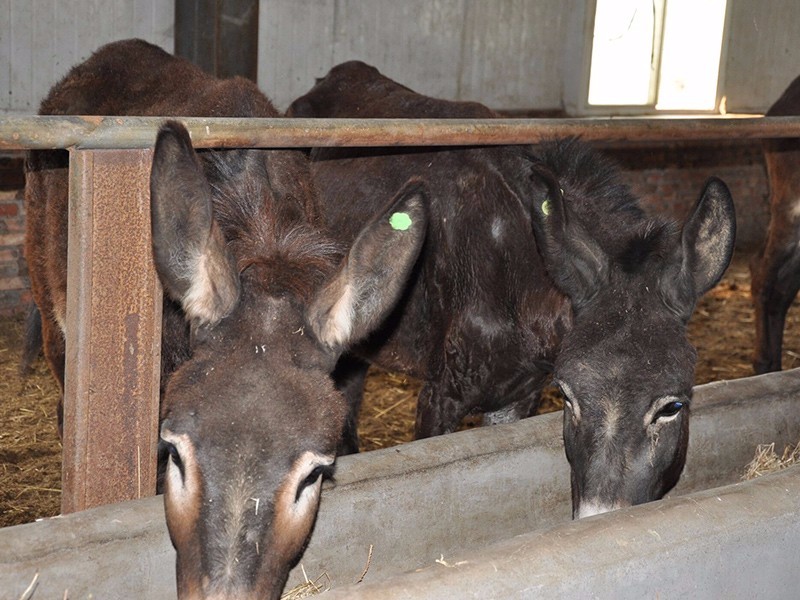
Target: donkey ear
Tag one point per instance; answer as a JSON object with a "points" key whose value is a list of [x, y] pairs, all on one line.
{"points": [[188, 246], [572, 257], [708, 236], [705, 251], [374, 272]]}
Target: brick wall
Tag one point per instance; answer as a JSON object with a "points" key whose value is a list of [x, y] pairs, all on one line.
{"points": [[667, 178], [670, 178], [14, 283]]}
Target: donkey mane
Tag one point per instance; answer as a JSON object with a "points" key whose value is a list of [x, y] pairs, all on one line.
{"points": [[591, 182], [653, 242], [277, 234]]}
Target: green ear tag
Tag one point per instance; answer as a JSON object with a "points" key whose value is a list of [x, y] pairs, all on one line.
{"points": [[546, 206], [400, 221]]}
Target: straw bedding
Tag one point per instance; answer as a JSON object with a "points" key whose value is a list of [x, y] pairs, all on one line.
{"points": [[30, 462]]}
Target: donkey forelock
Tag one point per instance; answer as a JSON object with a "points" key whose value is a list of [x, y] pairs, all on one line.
{"points": [[268, 228]]}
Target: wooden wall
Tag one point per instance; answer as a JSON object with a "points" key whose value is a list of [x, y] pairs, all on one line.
{"points": [[763, 52], [41, 39], [220, 36], [508, 54], [504, 53]]}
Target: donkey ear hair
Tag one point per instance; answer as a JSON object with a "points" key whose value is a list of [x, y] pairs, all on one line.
{"points": [[708, 236], [374, 272], [189, 250], [705, 250], [575, 261]]}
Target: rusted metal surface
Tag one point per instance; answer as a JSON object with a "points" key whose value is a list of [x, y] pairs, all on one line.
{"points": [[139, 132], [113, 332]]}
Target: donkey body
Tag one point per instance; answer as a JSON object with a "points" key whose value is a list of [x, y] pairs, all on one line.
{"points": [[775, 270], [536, 259], [259, 305]]}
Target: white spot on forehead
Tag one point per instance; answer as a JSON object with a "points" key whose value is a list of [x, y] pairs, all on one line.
{"points": [[610, 419], [498, 228], [795, 210]]}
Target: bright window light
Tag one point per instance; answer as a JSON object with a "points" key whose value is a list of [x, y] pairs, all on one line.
{"points": [[690, 54], [622, 50], [633, 64]]}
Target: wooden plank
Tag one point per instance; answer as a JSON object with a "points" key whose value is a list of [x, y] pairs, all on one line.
{"points": [[762, 55], [416, 42], [21, 60], [113, 332], [195, 32], [40, 40], [297, 44], [219, 37], [505, 62], [236, 45]]}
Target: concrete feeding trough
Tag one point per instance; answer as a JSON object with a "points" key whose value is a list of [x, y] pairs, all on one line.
{"points": [[493, 506]]}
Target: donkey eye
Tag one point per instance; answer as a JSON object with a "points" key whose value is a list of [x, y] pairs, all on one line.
{"points": [[312, 478], [669, 410], [565, 397]]}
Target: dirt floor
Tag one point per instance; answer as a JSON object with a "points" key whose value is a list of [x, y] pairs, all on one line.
{"points": [[30, 461]]}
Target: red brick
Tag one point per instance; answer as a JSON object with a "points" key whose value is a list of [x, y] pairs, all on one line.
{"points": [[15, 283], [8, 255], [9, 209]]}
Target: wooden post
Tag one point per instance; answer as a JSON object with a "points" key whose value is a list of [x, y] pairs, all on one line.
{"points": [[113, 332]]}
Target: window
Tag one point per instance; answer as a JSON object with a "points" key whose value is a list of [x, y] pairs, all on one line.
{"points": [[658, 54]]}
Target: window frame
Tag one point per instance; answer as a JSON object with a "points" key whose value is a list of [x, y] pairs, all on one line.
{"points": [[579, 106]]}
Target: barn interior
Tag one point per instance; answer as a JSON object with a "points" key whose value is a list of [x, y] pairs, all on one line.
{"points": [[528, 59]]}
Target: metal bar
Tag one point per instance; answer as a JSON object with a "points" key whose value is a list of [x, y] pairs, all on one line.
{"points": [[113, 332], [139, 132]]}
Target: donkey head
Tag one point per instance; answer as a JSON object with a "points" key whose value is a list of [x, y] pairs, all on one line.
{"points": [[626, 368], [251, 419]]}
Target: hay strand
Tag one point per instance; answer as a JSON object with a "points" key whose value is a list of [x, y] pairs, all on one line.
{"points": [[766, 460], [308, 587], [366, 567], [28, 593], [30, 451]]}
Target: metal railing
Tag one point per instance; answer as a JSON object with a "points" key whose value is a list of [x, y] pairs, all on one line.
{"points": [[87, 132]]}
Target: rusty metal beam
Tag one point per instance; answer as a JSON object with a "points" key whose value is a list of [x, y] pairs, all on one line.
{"points": [[113, 332], [139, 132]]}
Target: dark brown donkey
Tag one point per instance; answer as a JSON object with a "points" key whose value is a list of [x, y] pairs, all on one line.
{"points": [[533, 256], [775, 271], [259, 306]]}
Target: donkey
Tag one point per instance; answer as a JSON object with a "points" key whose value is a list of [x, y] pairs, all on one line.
{"points": [[535, 260], [259, 305], [775, 270]]}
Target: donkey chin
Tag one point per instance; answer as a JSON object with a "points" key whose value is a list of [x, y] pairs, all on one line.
{"points": [[589, 508]]}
